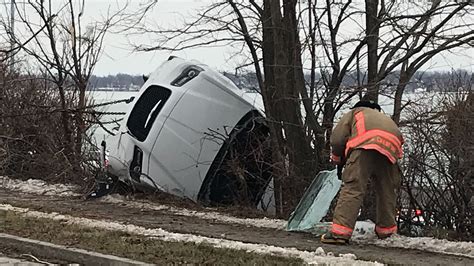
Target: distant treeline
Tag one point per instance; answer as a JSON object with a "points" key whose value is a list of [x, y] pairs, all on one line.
{"points": [[428, 81], [123, 82], [423, 80]]}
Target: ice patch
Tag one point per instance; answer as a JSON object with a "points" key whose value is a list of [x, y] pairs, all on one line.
{"points": [[206, 215], [36, 186], [306, 256]]}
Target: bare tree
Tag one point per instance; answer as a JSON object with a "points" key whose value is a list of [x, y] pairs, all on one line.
{"points": [[438, 164], [404, 37], [54, 36], [330, 95], [408, 36], [279, 37], [441, 29], [372, 29]]}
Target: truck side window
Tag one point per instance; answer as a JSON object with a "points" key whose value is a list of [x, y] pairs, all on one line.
{"points": [[146, 110]]}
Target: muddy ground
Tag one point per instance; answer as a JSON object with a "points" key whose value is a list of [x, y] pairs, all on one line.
{"points": [[95, 209]]}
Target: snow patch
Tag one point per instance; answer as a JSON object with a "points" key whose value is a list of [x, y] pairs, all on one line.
{"points": [[207, 215], [348, 256], [36, 186], [320, 251], [363, 231], [364, 234], [158, 233]]}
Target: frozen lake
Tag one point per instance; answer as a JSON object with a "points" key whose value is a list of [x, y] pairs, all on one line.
{"points": [[105, 97]]}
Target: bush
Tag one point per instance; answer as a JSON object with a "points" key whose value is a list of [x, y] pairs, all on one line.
{"points": [[32, 139], [439, 165]]}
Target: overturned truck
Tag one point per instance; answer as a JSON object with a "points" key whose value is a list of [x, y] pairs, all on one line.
{"points": [[192, 133]]}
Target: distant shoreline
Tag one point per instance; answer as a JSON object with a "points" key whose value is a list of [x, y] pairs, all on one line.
{"points": [[112, 89]]}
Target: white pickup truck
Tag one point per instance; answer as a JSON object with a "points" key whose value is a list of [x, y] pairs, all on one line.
{"points": [[192, 133]]}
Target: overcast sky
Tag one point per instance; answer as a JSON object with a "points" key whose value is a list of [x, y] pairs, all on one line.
{"points": [[118, 56]]}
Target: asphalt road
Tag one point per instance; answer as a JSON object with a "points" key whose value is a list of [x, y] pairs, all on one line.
{"points": [[12, 261]]}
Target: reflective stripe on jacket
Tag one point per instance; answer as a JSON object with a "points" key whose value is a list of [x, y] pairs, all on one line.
{"points": [[366, 128]]}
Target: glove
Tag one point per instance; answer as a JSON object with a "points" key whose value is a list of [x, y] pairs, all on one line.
{"points": [[339, 171]]}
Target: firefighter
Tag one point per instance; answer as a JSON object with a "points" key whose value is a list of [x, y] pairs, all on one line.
{"points": [[368, 144]]}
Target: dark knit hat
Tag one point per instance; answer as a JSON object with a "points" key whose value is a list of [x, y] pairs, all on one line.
{"points": [[369, 104]]}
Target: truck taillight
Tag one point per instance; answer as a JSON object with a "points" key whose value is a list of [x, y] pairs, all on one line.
{"points": [[136, 164]]}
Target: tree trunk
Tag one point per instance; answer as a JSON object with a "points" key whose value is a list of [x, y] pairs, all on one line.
{"points": [[397, 107], [295, 83], [80, 126], [284, 80], [299, 153], [270, 94], [372, 32]]}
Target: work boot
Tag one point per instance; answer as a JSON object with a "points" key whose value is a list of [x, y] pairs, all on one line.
{"points": [[385, 232], [330, 238], [383, 236]]}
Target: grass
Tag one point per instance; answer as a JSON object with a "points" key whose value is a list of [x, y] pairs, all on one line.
{"points": [[130, 246]]}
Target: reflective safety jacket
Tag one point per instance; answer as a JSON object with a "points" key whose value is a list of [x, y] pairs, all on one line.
{"points": [[369, 129]]}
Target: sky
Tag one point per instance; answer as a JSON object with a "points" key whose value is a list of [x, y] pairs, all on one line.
{"points": [[118, 55]]}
